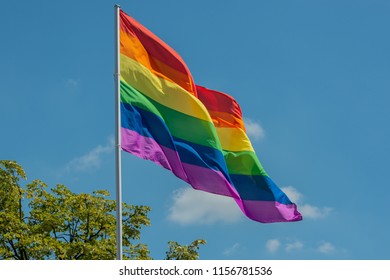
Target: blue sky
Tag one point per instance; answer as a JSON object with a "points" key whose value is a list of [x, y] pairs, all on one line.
{"points": [[312, 79]]}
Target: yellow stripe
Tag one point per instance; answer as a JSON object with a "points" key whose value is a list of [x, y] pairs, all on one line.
{"points": [[234, 139], [160, 90]]}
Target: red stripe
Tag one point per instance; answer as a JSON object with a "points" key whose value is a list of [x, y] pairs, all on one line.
{"points": [[223, 109], [154, 45], [218, 101]]}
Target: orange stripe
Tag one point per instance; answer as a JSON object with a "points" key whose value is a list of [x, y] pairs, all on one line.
{"points": [[140, 44], [132, 48], [158, 48], [223, 119]]}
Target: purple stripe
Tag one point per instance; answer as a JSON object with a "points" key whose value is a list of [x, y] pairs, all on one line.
{"points": [[209, 180], [147, 148], [269, 211], [205, 179], [263, 211]]}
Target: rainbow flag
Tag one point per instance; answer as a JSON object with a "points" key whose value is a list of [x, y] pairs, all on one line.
{"points": [[196, 133]]}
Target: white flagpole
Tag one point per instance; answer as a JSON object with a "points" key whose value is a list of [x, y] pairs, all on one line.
{"points": [[118, 165]]}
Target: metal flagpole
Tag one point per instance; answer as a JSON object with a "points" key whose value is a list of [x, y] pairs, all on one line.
{"points": [[118, 165]]}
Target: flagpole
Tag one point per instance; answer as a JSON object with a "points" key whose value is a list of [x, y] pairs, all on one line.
{"points": [[118, 164]]}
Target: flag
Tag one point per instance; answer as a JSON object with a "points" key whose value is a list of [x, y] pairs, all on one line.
{"points": [[196, 133]]}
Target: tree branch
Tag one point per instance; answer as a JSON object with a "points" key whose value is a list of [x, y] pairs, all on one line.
{"points": [[16, 255]]}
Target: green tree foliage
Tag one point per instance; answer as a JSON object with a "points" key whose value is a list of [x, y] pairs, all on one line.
{"points": [[38, 223], [184, 252]]}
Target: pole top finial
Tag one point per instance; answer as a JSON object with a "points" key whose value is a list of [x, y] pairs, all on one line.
{"points": [[117, 6]]}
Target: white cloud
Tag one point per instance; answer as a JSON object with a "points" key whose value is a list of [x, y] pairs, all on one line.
{"points": [[292, 194], [231, 250], [197, 207], [297, 245], [92, 159], [272, 245], [73, 83], [275, 245], [307, 210], [310, 211], [326, 248], [254, 129]]}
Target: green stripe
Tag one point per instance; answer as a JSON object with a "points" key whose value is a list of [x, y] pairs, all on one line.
{"points": [[132, 96], [180, 125], [193, 130], [243, 163]]}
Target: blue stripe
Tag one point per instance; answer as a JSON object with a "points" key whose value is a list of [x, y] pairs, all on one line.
{"points": [[146, 124], [202, 156], [258, 187], [250, 187], [150, 125]]}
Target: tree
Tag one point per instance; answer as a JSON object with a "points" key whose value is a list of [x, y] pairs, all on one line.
{"points": [[59, 224], [186, 252]]}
